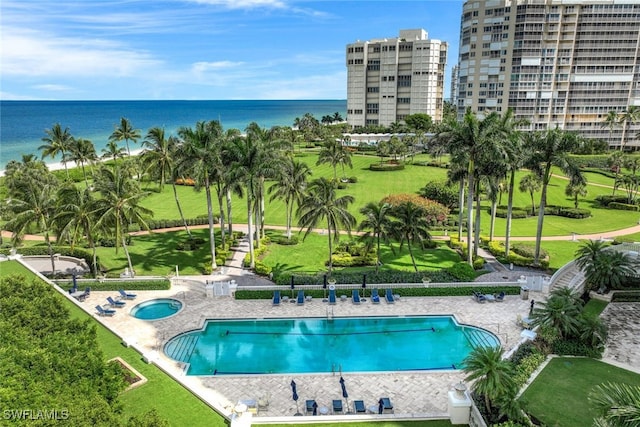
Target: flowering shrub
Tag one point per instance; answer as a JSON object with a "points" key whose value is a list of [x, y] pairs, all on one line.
{"points": [[436, 212]]}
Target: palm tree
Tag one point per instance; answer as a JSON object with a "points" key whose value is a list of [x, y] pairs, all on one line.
{"points": [[575, 190], [377, 222], [334, 153], [611, 121], [410, 225], [530, 183], [113, 151], [337, 117], [125, 132], [33, 203], [617, 404], [57, 141], [548, 149], [628, 118], [492, 375], [83, 151], [119, 205], [468, 141], [321, 203], [561, 312], [290, 186], [77, 215], [160, 157], [593, 331], [196, 159], [606, 269]]}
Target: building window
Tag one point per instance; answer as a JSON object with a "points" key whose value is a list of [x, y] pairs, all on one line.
{"points": [[404, 100], [373, 89]]}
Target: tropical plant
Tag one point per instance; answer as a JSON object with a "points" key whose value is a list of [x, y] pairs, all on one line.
{"points": [[290, 186], [410, 226], [124, 131], [113, 151], [492, 375], [531, 184], [83, 151], [560, 312], [322, 204], [57, 141], [603, 268], [627, 119], [618, 405], [334, 153], [611, 121], [616, 162], [575, 190], [548, 149], [119, 206], [377, 222]]}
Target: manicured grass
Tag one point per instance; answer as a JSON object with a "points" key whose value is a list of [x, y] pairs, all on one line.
{"points": [[559, 395], [311, 255], [435, 423], [8, 268], [594, 307]]}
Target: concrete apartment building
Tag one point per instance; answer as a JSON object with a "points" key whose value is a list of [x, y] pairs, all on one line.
{"points": [[564, 63], [388, 79]]}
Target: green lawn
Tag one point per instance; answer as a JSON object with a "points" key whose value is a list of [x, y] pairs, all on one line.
{"points": [[594, 307], [559, 395]]}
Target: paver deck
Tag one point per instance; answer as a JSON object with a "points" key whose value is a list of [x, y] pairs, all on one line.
{"points": [[413, 393]]}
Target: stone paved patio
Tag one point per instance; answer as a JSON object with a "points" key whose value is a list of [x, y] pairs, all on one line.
{"points": [[413, 393]]}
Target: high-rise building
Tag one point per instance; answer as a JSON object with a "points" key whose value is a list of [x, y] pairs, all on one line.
{"points": [[564, 63], [388, 79], [454, 85]]}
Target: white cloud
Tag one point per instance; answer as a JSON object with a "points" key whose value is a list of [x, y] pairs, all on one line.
{"points": [[244, 4], [33, 53], [52, 87]]}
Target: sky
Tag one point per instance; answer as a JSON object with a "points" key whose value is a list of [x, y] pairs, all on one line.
{"points": [[199, 49]]}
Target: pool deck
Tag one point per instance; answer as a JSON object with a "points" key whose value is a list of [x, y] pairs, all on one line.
{"points": [[413, 394]]}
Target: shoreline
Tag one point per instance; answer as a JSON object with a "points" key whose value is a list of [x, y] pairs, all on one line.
{"points": [[56, 166]]}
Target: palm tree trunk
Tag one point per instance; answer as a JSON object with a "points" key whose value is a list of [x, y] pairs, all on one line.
{"points": [[471, 179], [378, 253], [262, 234], [330, 247], [84, 173], [512, 184], [50, 248], [256, 227], [126, 252], [289, 204], [541, 206], [413, 260], [212, 240], [492, 227], [229, 217], [476, 231], [460, 208], [184, 221], [223, 232], [252, 262]]}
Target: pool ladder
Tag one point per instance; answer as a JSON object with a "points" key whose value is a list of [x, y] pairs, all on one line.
{"points": [[329, 313]]}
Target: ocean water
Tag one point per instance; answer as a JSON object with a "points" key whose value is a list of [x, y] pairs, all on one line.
{"points": [[23, 123]]}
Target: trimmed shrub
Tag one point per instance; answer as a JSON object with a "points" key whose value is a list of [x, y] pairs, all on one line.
{"points": [[527, 251], [440, 192], [526, 366], [567, 212], [130, 285], [623, 206], [282, 240], [262, 269], [575, 348], [386, 166], [463, 272], [605, 199], [626, 296], [516, 213], [353, 179], [437, 213]]}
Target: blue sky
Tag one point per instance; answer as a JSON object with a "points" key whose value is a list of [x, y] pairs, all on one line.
{"points": [[199, 49]]}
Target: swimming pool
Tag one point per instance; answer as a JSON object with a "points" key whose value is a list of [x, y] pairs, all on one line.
{"points": [[155, 309], [305, 345]]}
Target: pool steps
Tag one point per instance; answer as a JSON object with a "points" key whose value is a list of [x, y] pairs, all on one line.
{"points": [[478, 338], [181, 348]]}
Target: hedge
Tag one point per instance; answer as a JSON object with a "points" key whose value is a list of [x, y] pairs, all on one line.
{"points": [[626, 296], [516, 213], [605, 199], [386, 166], [129, 285], [623, 206], [403, 292], [497, 249]]}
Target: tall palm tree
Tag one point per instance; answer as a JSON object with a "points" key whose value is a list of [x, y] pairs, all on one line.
{"points": [[410, 225], [322, 204], [548, 149], [561, 312], [377, 222], [492, 375], [119, 205], [160, 157], [77, 214], [290, 186], [575, 190], [468, 141], [124, 131], [82, 152], [57, 141], [196, 159], [531, 184], [617, 404], [334, 153], [603, 269], [628, 118], [611, 121], [33, 203]]}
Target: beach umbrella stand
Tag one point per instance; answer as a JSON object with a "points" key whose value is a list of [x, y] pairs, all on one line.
{"points": [[345, 394], [294, 391]]}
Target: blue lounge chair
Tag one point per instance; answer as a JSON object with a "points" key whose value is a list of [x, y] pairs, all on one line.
{"points": [[300, 299], [387, 407], [358, 406], [337, 406], [375, 298], [332, 296], [105, 311], [276, 298], [355, 296], [125, 295], [311, 406], [479, 297], [114, 303], [389, 296], [500, 296]]}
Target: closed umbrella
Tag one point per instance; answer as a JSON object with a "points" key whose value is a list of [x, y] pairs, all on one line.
{"points": [[75, 283], [364, 284], [324, 285], [293, 286], [294, 390], [344, 392]]}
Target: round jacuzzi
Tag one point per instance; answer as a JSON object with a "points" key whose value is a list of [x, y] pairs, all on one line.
{"points": [[155, 309]]}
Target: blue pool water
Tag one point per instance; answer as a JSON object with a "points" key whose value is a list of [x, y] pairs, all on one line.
{"points": [[278, 346], [156, 309]]}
